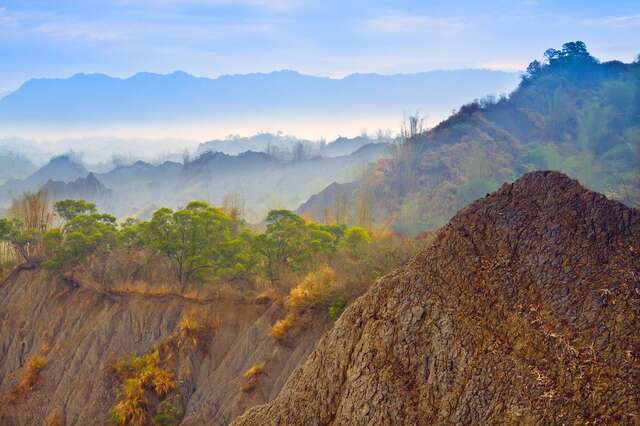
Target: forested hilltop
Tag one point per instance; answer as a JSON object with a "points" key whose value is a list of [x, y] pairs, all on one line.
{"points": [[570, 113]]}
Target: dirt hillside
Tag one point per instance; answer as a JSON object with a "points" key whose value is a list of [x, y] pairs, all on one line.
{"points": [[81, 334], [525, 310]]}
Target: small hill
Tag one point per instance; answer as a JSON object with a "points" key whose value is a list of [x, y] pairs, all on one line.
{"points": [[260, 180], [14, 166], [572, 114], [524, 310], [84, 188], [62, 168]]}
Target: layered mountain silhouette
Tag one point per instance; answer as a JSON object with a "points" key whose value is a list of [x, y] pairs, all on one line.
{"points": [[524, 310], [259, 179], [89, 101], [84, 188]]}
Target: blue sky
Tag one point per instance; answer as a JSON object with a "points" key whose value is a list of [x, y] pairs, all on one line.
{"points": [[58, 38]]}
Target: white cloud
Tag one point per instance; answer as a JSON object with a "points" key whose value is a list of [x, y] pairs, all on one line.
{"points": [[394, 23], [629, 21]]}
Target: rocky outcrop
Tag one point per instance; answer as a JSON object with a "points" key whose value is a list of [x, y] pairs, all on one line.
{"points": [[82, 332], [524, 310]]}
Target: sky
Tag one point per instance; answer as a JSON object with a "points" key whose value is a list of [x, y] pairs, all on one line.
{"points": [[59, 38]]}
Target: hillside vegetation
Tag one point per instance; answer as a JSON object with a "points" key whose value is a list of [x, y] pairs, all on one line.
{"points": [[570, 113], [199, 249], [523, 310], [199, 287]]}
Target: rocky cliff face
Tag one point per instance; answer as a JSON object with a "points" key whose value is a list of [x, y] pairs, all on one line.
{"points": [[80, 334], [524, 310]]}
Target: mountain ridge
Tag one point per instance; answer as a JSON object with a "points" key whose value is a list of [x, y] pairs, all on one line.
{"points": [[92, 102]]}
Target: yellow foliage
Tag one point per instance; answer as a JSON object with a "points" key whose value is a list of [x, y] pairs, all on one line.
{"points": [[31, 372], [140, 374], [256, 370], [190, 325], [251, 376], [280, 329], [314, 290]]}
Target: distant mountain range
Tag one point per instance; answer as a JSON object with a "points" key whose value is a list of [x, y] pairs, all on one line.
{"points": [[279, 144], [261, 180], [247, 103]]}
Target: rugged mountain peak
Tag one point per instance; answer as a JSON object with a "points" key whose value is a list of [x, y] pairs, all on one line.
{"points": [[523, 310]]}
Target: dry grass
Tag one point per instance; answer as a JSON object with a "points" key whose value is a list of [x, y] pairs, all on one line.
{"points": [[30, 374], [256, 370], [267, 296], [146, 379], [280, 330], [314, 291], [252, 376], [141, 375]]}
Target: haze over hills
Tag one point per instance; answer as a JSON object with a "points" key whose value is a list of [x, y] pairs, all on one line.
{"points": [[573, 115], [185, 106], [284, 177]]}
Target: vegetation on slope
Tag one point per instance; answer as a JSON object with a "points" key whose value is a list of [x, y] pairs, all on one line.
{"points": [[199, 249], [570, 113]]}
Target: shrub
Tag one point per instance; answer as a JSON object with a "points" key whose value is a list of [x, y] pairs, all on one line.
{"points": [[140, 375], [255, 370], [32, 369], [314, 291], [251, 376], [280, 329], [336, 308], [167, 415]]}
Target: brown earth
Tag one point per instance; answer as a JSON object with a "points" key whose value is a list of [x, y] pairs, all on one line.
{"points": [[525, 310], [84, 332]]}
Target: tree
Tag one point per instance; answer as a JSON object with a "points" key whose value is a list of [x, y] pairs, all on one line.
{"points": [[200, 238], [575, 49], [552, 55], [299, 152], [69, 209], [26, 242], [284, 244], [33, 210], [355, 239], [81, 237], [533, 70], [572, 53]]}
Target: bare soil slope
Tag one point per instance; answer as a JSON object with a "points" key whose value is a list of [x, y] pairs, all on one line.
{"points": [[84, 332], [524, 310]]}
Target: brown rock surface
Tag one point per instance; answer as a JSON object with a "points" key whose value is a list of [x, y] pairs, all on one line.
{"points": [[524, 310]]}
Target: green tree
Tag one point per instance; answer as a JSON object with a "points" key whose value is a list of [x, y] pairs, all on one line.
{"points": [[68, 209], [200, 238], [80, 237], [25, 241], [355, 239], [284, 245]]}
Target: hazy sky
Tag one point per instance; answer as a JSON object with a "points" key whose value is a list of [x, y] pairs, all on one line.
{"points": [[57, 38]]}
